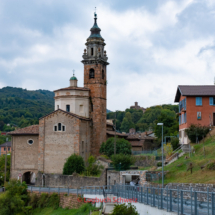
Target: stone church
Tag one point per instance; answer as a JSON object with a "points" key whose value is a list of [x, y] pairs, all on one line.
{"points": [[77, 125]]}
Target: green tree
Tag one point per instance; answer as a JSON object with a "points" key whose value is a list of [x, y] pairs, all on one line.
{"points": [[2, 169], [127, 123], [122, 146], [122, 161], [14, 199], [74, 163]]}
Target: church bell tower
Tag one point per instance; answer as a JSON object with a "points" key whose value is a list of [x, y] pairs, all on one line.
{"points": [[95, 74]]}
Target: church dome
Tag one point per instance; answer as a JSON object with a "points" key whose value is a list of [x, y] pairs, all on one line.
{"points": [[73, 78]]}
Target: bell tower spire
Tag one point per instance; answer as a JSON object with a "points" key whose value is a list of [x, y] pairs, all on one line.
{"points": [[95, 78]]}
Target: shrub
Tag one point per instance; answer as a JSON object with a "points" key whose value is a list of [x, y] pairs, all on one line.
{"points": [[33, 200], [43, 200], [211, 166], [168, 149], [122, 162], [14, 199], [159, 164], [54, 201], [92, 167], [175, 143], [122, 146], [74, 163], [197, 131], [124, 209]]}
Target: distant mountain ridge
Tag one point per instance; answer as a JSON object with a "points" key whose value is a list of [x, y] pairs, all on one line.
{"points": [[23, 107]]}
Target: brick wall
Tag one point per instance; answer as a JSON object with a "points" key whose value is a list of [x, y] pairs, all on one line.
{"points": [[97, 87]]}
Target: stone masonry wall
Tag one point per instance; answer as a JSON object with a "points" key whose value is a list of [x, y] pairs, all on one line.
{"points": [[72, 181], [24, 157], [72, 201], [56, 146]]}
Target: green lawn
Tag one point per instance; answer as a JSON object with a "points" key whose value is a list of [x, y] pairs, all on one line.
{"points": [[178, 170], [83, 210]]}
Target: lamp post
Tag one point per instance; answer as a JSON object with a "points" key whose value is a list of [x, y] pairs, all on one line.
{"points": [[162, 154], [5, 168]]}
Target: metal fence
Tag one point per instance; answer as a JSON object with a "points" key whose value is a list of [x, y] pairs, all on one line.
{"points": [[174, 200]]}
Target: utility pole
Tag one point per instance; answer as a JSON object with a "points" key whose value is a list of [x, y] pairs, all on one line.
{"points": [[5, 169], [115, 137]]}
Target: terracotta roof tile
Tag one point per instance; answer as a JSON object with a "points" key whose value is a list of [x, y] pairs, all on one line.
{"points": [[33, 129], [117, 133], [73, 88]]}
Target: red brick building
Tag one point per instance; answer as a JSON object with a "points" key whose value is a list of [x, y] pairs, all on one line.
{"points": [[196, 106], [5, 147]]}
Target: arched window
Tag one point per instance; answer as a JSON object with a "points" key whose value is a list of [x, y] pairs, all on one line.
{"points": [[92, 73], [92, 51], [59, 126], [103, 74]]}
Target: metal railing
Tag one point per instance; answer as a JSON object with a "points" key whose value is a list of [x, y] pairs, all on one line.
{"points": [[172, 200]]}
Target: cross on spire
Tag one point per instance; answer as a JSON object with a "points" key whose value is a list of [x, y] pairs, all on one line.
{"points": [[73, 72]]}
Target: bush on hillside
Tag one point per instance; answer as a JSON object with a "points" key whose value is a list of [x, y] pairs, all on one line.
{"points": [[122, 146], [124, 209], [92, 168], [122, 162], [74, 163], [175, 143], [197, 132], [14, 200]]}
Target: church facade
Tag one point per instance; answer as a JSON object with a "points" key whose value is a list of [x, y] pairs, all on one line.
{"points": [[77, 125]]}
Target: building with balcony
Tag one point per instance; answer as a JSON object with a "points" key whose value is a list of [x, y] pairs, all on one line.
{"points": [[196, 106]]}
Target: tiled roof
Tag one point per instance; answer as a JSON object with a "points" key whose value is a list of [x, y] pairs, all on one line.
{"points": [[8, 144], [73, 88], [117, 133], [194, 90], [72, 114], [33, 129]]}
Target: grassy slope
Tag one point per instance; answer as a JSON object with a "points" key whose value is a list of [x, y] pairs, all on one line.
{"points": [[180, 173]]}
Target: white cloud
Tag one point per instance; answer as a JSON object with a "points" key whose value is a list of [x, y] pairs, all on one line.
{"points": [[150, 52]]}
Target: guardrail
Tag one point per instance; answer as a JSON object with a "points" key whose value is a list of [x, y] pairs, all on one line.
{"points": [[163, 198]]}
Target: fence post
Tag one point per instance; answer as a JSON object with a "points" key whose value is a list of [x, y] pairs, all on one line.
{"points": [[167, 198], [141, 195], [191, 196], [178, 198], [154, 197], [68, 191], [58, 190], [195, 199], [182, 206], [39, 189], [208, 198], [170, 206], [49, 190], [147, 195], [161, 198]]}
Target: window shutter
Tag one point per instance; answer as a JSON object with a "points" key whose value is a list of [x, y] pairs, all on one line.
{"points": [[179, 120], [200, 100], [185, 117], [185, 103], [211, 101], [197, 99]]}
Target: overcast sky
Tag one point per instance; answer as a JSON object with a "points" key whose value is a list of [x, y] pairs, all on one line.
{"points": [[152, 46]]}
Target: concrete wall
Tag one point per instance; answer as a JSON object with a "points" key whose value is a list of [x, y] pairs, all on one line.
{"points": [[113, 177], [72, 181], [24, 157], [74, 98]]}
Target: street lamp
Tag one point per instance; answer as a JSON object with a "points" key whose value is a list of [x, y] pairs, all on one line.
{"points": [[162, 155]]}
